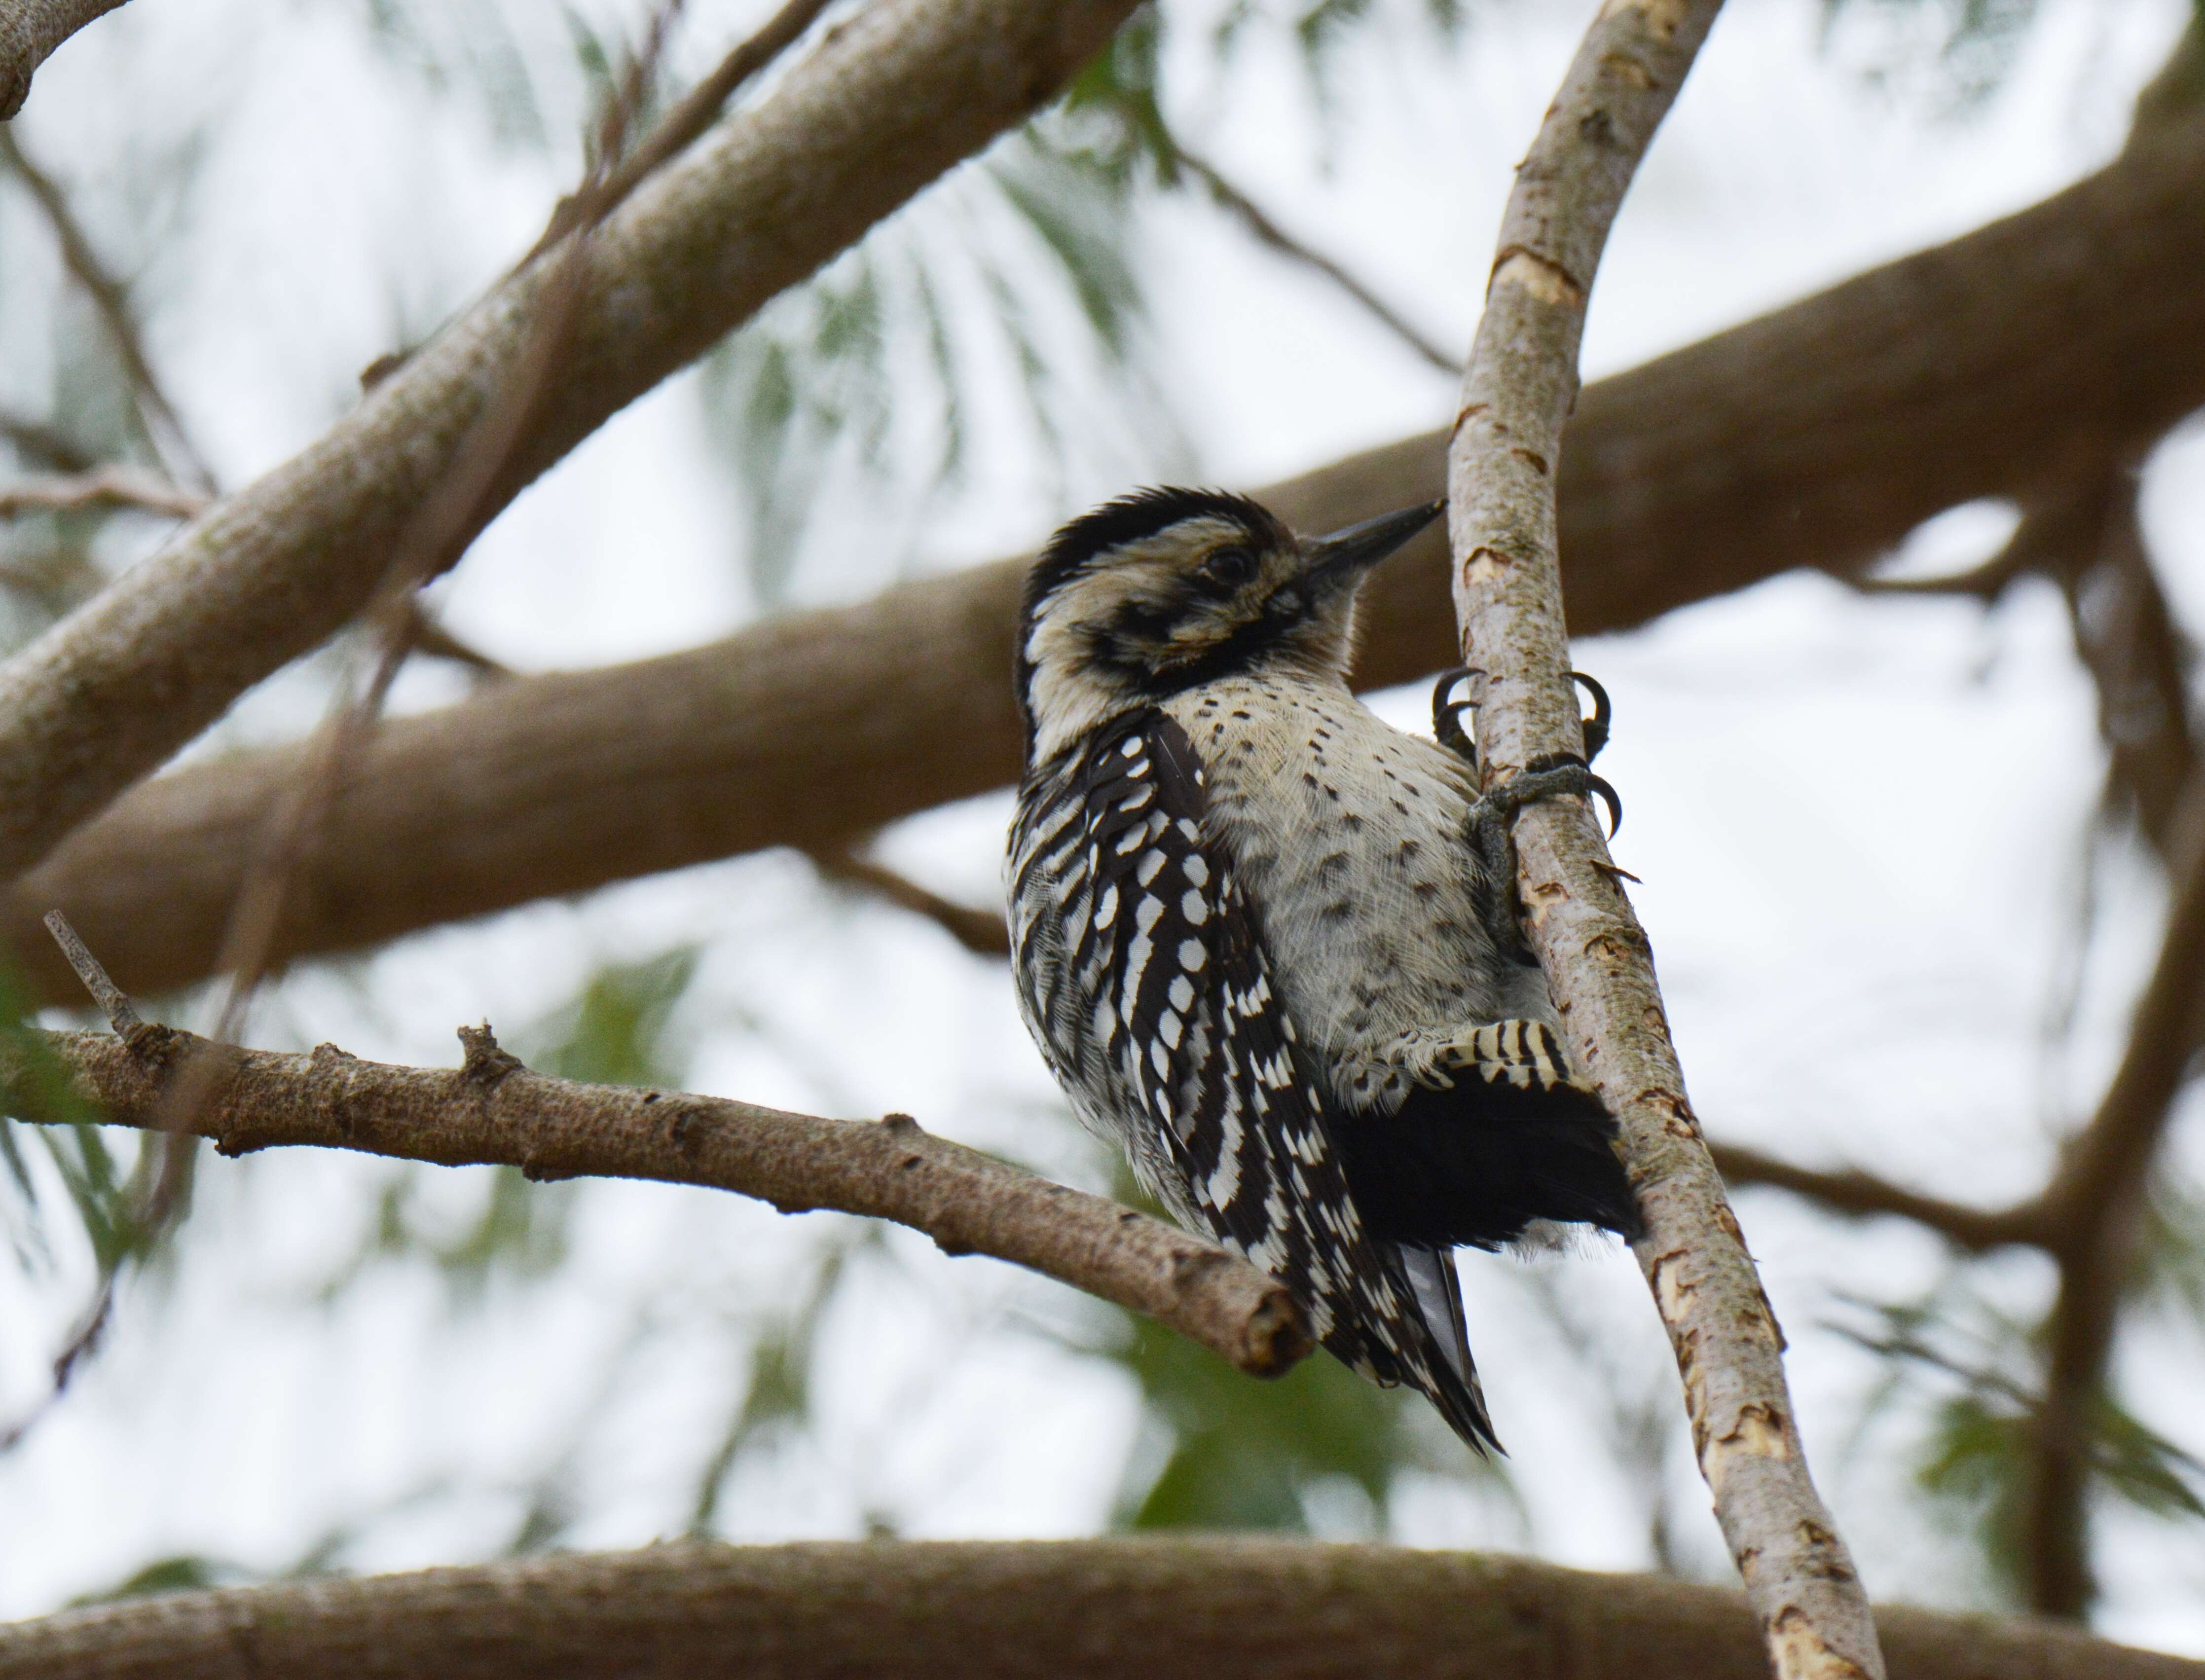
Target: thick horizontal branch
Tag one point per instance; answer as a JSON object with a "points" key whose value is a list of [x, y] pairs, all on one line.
{"points": [[1141, 1609], [491, 1110], [1816, 437], [901, 92], [30, 30]]}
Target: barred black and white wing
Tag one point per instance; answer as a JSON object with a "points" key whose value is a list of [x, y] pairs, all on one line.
{"points": [[1145, 976]]}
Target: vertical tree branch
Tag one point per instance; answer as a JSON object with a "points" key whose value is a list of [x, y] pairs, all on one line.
{"points": [[2126, 636], [1521, 384], [2093, 1208]]}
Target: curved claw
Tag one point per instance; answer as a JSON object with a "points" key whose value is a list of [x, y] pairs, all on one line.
{"points": [[1596, 726], [1598, 786], [1448, 679], [1446, 715]]}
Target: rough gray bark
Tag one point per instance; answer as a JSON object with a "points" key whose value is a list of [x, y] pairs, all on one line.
{"points": [[30, 30], [890, 1610], [1517, 396], [2072, 332], [898, 93], [493, 1110]]}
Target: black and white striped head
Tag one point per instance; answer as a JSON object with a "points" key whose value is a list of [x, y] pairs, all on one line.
{"points": [[1164, 589]]}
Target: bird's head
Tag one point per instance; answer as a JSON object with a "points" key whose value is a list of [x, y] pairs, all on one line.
{"points": [[1163, 588]]}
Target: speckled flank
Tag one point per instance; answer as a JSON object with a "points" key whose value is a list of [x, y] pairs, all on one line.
{"points": [[1349, 837]]}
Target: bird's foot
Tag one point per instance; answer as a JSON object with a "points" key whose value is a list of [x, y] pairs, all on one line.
{"points": [[1492, 820], [1446, 715], [1521, 1054]]}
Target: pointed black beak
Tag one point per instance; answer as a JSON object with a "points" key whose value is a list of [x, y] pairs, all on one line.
{"points": [[1347, 555]]}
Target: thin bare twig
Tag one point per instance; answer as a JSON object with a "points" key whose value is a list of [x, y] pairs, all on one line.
{"points": [[426, 635], [2083, 535], [1521, 385], [696, 111], [1862, 1195], [107, 486], [1268, 232], [1985, 582], [111, 300], [981, 932], [2137, 654], [493, 1110], [122, 1014], [82, 1343], [91, 1324], [40, 444]]}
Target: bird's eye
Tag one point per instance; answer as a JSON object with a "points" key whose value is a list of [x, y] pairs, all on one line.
{"points": [[1228, 568]]}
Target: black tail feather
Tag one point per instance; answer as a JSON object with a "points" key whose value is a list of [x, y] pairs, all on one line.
{"points": [[1476, 1164]]}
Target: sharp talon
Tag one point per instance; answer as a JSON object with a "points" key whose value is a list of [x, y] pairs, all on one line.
{"points": [[1596, 726], [1598, 786], [1446, 715], [1448, 679]]}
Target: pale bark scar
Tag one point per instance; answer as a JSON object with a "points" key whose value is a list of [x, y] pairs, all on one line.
{"points": [[1542, 898], [1665, 16], [1542, 277], [1759, 1431], [1625, 67], [1801, 1653], [1671, 1291], [1483, 565]]}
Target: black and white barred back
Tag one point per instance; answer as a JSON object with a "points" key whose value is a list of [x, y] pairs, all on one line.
{"points": [[1147, 985]]}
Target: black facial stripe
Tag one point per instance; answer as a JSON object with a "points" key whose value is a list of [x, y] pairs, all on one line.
{"points": [[1114, 524], [1129, 648]]}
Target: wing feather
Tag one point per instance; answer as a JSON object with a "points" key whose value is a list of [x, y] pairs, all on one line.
{"points": [[1205, 1051]]}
